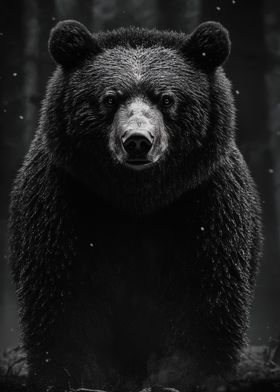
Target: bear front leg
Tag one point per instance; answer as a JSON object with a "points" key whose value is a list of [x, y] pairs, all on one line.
{"points": [[67, 335], [50, 340], [203, 352], [208, 328], [50, 279], [61, 354]]}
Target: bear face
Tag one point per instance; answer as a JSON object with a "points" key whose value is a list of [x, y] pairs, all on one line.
{"points": [[129, 100]]}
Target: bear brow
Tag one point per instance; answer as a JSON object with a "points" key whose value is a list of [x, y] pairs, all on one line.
{"points": [[139, 60]]}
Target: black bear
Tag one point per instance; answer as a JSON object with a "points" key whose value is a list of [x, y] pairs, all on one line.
{"points": [[135, 228]]}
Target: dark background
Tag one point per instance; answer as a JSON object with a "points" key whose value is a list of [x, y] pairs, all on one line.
{"points": [[254, 68]]}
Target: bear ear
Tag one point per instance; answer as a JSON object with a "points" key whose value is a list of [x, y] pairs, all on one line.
{"points": [[70, 42], [208, 46]]}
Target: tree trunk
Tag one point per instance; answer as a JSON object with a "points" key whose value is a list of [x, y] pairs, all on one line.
{"points": [[39, 18], [31, 77], [180, 15], [11, 140], [111, 14], [272, 29]]}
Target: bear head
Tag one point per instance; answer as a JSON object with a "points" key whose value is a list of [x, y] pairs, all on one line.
{"points": [[139, 116]]}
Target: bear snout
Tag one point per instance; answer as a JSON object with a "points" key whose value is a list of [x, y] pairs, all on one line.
{"points": [[138, 137], [137, 144]]}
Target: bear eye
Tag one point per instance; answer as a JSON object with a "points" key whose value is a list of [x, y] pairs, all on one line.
{"points": [[110, 100], [167, 100]]}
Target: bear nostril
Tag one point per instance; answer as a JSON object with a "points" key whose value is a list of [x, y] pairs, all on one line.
{"points": [[137, 146]]}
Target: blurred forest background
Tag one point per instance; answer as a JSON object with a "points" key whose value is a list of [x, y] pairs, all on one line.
{"points": [[254, 68]]}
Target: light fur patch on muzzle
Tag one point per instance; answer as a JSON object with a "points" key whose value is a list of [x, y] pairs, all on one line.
{"points": [[138, 136]]}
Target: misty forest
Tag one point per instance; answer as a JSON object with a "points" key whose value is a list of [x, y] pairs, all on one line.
{"points": [[253, 68]]}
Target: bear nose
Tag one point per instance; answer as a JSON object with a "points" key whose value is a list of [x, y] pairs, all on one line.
{"points": [[137, 145]]}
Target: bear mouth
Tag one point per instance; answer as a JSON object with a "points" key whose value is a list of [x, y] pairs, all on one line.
{"points": [[138, 164]]}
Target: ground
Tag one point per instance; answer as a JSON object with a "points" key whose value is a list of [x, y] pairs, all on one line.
{"points": [[258, 371]]}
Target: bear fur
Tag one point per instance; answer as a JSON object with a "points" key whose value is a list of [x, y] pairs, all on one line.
{"points": [[132, 278]]}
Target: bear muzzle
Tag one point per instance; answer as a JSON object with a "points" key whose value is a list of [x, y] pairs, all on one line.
{"points": [[137, 145], [138, 137]]}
